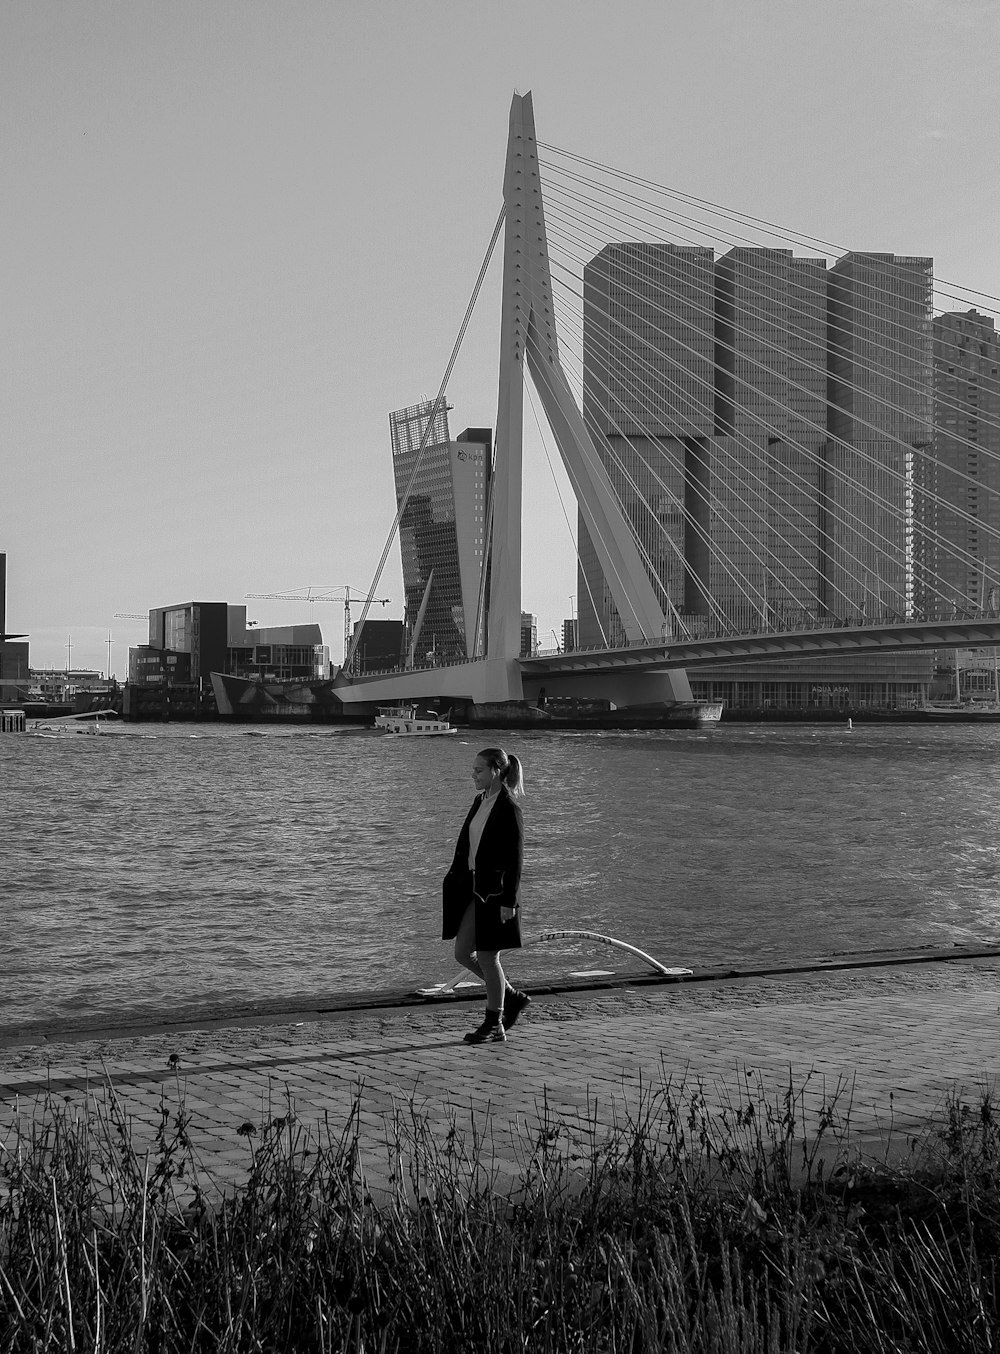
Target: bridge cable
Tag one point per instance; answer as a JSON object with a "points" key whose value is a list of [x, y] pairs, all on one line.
{"points": [[782, 437], [921, 354], [438, 403], [717, 209], [580, 570], [824, 431], [785, 473]]}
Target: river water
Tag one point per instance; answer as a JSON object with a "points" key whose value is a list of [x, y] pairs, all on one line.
{"points": [[166, 871]]}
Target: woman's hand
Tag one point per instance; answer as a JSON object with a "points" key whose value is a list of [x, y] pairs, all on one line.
{"points": [[508, 913]]}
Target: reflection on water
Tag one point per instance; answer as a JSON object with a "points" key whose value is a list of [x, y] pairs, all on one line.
{"points": [[166, 871]]}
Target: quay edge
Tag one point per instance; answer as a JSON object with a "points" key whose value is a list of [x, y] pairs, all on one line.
{"points": [[240, 699]]}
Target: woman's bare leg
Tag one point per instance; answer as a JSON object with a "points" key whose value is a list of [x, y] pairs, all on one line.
{"points": [[465, 944], [489, 962]]}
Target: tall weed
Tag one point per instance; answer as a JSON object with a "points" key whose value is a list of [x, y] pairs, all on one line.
{"points": [[689, 1226]]}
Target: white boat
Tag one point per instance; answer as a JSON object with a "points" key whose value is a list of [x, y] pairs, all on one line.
{"points": [[91, 721], [967, 707], [962, 709], [405, 722]]}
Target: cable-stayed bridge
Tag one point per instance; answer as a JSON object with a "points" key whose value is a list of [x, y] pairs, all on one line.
{"points": [[771, 458]]}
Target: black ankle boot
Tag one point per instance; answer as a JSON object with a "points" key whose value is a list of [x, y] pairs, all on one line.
{"points": [[514, 1003], [491, 1030]]}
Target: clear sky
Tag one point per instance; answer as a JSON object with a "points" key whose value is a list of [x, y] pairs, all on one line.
{"points": [[236, 233]]}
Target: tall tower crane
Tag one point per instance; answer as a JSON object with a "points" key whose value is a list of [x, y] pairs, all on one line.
{"points": [[340, 591]]}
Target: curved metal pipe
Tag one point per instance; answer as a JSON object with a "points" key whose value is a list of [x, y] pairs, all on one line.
{"points": [[464, 978], [617, 945]]}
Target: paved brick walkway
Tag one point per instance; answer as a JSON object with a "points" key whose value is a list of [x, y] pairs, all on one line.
{"points": [[898, 1039]]}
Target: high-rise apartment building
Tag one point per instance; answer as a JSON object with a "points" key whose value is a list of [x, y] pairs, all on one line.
{"points": [[648, 401], [880, 417], [762, 418], [705, 390], [960, 509], [442, 529], [763, 464]]}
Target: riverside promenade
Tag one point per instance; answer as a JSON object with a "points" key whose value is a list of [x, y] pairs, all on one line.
{"points": [[895, 1036]]}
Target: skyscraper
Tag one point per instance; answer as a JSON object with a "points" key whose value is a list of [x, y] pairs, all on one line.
{"points": [[442, 529], [770, 424], [705, 390], [881, 410], [648, 402], [763, 420], [960, 511]]}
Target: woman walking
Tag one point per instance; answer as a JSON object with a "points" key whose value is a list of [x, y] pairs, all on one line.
{"points": [[481, 890]]}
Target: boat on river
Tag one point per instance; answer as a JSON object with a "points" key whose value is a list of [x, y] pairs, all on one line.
{"points": [[90, 722], [970, 706], [405, 722], [966, 711]]}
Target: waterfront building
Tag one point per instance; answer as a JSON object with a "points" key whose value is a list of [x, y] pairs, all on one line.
{"points": [[187, 642], [648, 402], [763, 468], [748, 410], [191, 640], [15, 677], [381, 646], [58, 686], [961, 509], [880, 419], [280, 653], [529, 635], [442, 529], [705, 391], [14, 672], [839, 682]]}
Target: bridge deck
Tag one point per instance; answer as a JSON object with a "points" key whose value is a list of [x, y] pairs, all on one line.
{"points": [[814, 642]]}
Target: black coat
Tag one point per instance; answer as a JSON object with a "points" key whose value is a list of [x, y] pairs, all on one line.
{"points": [[497, 878]]}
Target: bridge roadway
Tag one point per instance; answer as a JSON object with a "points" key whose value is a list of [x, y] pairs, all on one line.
{"points": [[814, 642], [648, 662]]}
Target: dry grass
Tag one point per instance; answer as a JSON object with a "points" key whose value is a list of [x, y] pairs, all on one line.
{"points": [[747, 1229]]}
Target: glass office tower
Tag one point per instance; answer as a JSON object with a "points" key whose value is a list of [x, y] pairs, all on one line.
{"points": [[442, 529]]}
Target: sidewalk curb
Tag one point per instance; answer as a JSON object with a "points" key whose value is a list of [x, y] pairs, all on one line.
{"points": [[279, 1013]]}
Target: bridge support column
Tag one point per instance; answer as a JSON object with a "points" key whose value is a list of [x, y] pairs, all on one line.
{"points": [[489, 680], [623, 689], [528, 335]]}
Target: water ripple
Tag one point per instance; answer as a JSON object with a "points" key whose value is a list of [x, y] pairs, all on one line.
{"points": [[166, 873]]}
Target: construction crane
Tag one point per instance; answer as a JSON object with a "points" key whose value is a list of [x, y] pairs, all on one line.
{"points": [[311, 594], [131, 616]]}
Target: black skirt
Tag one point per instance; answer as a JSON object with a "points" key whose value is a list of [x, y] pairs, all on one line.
{"points": [[491, 932]]}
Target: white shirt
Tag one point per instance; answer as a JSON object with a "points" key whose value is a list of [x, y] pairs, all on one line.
{"points": [[477, 825]]}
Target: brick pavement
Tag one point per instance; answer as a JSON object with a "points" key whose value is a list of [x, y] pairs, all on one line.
{"points": [[898, 1040]]}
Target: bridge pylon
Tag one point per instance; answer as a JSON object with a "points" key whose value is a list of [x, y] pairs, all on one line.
{"points": [[528, 335]]}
